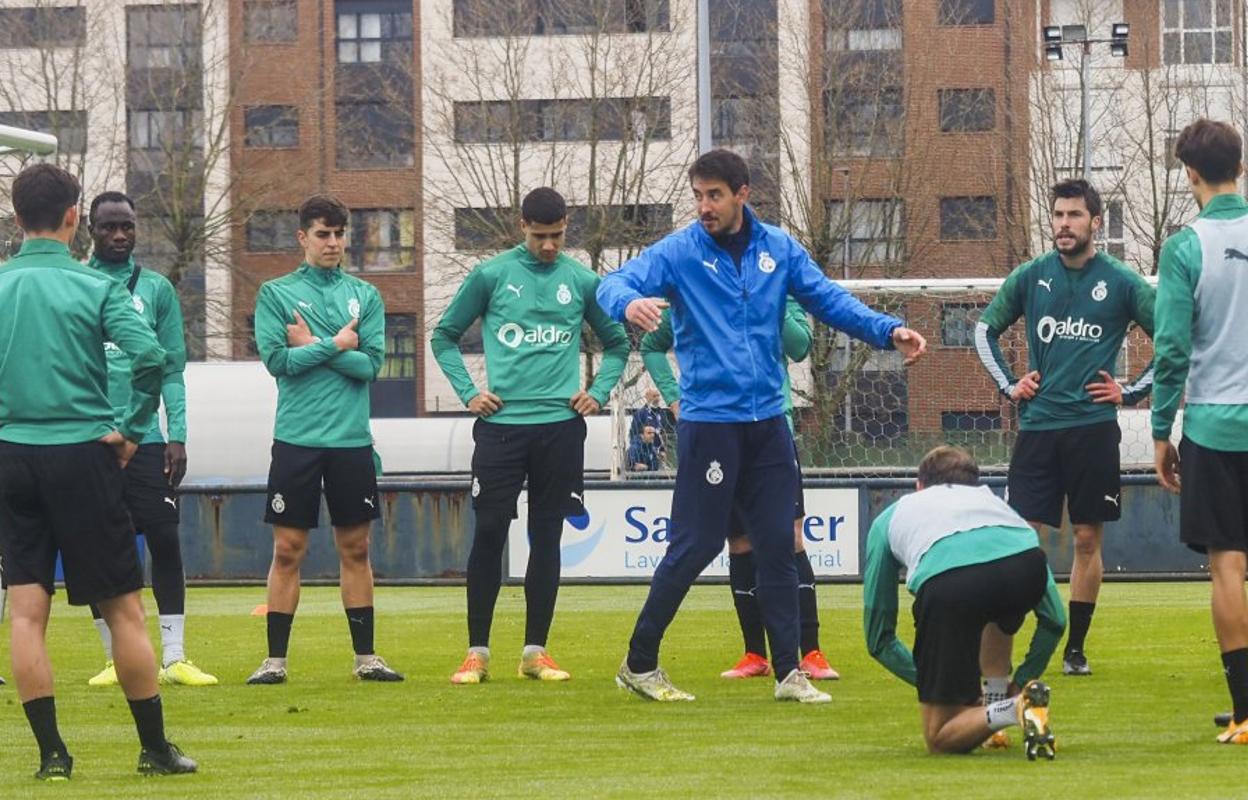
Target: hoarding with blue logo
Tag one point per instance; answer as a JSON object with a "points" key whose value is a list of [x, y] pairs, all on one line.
{"points": [[624, 535]]}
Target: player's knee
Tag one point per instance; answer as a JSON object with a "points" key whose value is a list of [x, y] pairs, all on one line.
{"points": [[1087, 545], [288, 553], [354, 551]]}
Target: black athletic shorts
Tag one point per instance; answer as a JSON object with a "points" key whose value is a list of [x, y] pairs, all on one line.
{"points": [[1213, 509], [66, 498], [1079, 465], [297, 473], [149, 498], [551, 455], [950, 613]]}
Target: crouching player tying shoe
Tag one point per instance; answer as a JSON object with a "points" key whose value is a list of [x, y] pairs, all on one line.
{"points": [[970, 560]]}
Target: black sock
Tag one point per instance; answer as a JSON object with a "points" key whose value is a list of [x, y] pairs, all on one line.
{"points": [[541, 578], [279, 633], [168, 580], [807, 603], [742, 579], [1080, 620], [41, 713], [485, 574], [149, 719], [95, 612], [1235, 665], [360, 620]]}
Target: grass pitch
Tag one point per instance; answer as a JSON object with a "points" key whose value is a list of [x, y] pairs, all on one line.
{"points": [[1139, 727]]}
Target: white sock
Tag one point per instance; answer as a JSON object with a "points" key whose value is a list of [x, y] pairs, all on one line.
{"points": [[172, 630], [532, 651], [484, 652], [280, 663], [1002, 714], [106, 636], [996, 689], [362, 660]]}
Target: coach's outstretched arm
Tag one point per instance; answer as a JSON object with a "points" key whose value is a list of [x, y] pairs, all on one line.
{"points": [[641, 278], [1050, 625], [128, 331], [271, 340], [879, 603]]}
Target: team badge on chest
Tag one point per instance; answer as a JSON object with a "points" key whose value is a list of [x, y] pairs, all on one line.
{"points": [[1100, 291], [353, 307], [564, 295], [766, 263], [137, 302]]}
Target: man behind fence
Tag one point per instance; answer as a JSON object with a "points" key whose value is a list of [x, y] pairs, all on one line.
{"points": [[61, 460]]}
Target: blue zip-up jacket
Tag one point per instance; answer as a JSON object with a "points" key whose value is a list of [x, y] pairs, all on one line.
{"points": [[727, 324]]}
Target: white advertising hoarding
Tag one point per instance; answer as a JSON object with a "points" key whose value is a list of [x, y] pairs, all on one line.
{"points": [[624, 535]]}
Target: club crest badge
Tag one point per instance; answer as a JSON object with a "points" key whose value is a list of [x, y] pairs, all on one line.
{"points": [[137, 302], [353, 307], [1100, 291], [766, 263], [715, 474], [564, 295], [279, 503]]}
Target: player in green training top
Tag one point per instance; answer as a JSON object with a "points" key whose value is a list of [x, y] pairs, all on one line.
{"points": [[62, 450], [1079, 304], [1202, 303], [971, 561], [154, 473], [742, 579], [532, 301], [321, 333]]}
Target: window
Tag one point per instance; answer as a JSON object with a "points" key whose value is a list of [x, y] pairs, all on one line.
{"points": [[967, 109], [966, 421], [381, 240], [271, 21], [862, 25], [163, 37], [968, 218], [69, 127], [43, 26], [272, 231], [165, 131], [865, 121], [558, 17], [271, 126], [1196, 32], [874, 230], [486, 228], [741, 119], [393, 394], [375, 134], [618, 226], [1111, 236], [374, 32], [602, 119], [957, 323], [966, 12]]}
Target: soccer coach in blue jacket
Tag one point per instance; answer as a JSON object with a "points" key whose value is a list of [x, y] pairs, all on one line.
{"points": [[726, 277]]}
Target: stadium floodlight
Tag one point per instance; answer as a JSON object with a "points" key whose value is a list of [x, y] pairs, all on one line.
{"points": [[1052, 34], [1120, 30], [1074, 33], [21, 140], [1053, 52], [1118, 44]]}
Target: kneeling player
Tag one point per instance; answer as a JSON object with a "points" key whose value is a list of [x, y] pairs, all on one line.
{"points": [[970, 560]]}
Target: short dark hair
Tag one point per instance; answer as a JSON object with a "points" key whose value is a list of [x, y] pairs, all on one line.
{"points": [[325, 207], [1211, 148], [544, 206], [721, 165], [42, 194], [1077, 187], [107, 197], [948, 464]]}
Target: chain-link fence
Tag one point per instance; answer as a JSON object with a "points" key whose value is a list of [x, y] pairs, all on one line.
{"points": [[859, 411]]}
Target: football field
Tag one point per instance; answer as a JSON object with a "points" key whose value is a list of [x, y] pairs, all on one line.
{"points": [[1139, 727]]}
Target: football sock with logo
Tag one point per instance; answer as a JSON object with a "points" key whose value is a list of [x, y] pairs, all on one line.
{"points": [[172, 632], [41, 714], [995, 689], [741, 579], [149, 720], [541, 578], [1235, 666], [1002, 714], [1080, 621], [807, 602], [360, 620], [279, 633], [168, 580], [485, 573]]}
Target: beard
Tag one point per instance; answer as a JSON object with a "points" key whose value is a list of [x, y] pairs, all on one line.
{"points": [[1079, 246]]}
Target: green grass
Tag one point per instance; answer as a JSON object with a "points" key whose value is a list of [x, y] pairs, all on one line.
{"points": [[1140, 727]]}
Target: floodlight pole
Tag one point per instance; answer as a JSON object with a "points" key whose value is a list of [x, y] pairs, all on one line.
{"points": [[1085, 80], [704, 76]]}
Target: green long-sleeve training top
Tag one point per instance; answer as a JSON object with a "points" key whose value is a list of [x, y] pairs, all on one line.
{"points": [[531, 318], [322, 392], [55, 316]]}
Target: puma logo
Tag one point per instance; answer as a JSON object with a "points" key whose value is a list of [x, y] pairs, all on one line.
{"points": [[356, 620], [1114, 499], [576, 497], [747, 593], [711, 265], [368, 501], [511, 287], [1046, 284], [171, 502], [167, 628], [1231, 252]]}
